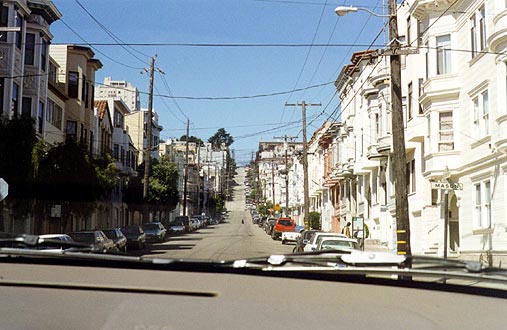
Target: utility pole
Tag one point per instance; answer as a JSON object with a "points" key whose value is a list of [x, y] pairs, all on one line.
{"points": [[185, 173], [273, 181], [147, 151], [399, 160], [198, 179], [286, 147], [306, 202]]}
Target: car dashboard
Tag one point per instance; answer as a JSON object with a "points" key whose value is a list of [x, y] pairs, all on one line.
{"points": [[42, 296]]}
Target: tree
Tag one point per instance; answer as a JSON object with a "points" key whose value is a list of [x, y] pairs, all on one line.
{"points": [[194, 139], [221, 136], [314, 219]]}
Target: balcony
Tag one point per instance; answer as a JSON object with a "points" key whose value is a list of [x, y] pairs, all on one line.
{"points": [[498, 37], [385, 144], [440, 88], [420, 7], [500, 139], [372, 153], [380, 76]]}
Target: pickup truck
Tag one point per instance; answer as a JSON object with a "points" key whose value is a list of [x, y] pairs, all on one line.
{"points": [[282, 225]]}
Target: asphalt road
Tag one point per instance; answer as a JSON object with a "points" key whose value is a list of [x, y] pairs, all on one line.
{"points": [[225, 241]]}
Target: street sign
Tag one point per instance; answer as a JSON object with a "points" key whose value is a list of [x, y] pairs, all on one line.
{"points": [[4, 189], [277, 207], [446, 186]]}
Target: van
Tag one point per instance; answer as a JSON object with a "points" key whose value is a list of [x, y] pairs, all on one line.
{"points": [[185, 220]]}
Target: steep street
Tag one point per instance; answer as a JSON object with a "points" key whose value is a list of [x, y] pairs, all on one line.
{"points": [[228, 240]]}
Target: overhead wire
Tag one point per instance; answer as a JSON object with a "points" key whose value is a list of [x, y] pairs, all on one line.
{"points": [[112, 35]]}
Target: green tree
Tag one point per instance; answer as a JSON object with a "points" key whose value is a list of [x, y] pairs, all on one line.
{"points": [[221, 136], [314, 219], [192, 138]]}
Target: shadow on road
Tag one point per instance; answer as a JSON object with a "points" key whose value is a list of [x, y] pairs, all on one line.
{"points": [[159, 249]]}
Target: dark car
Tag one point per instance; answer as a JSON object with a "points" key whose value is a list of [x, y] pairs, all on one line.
{"points": [[268, 226], [95, 237], [262, 221], [119, 240], [136, 238], [155, 231], [186, 222]]}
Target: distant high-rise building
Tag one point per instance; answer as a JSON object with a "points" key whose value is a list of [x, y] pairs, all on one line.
{"points": [[121, 89]]}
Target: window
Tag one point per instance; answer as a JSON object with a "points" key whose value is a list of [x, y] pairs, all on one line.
{"points": [[73, 84], [481, 115], [478, 31], [19, 34], [26, 107], [54, 114], [420, 29], [52, 73], [421, 92], [404, 109], [40, 117], [15, 96], [2, 89], [444, 54], [118, 119], [485, 112], [29, 48], [4, 21], [408, 31], [83, 88], [87, 89], [43, 54], [410, 97], [411, 176], [116, 151], [71, 129], [482, 202], [445, 133]]}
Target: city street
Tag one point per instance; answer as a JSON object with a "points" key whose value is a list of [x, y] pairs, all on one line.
{"points": [[228, 240]]}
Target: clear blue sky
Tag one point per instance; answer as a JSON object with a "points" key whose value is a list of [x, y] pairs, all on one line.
{"points": [[225, 71]]}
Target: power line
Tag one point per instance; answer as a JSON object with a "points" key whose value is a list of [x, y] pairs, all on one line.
{"points": [[225, 45], [94, 48], [112, 35]]}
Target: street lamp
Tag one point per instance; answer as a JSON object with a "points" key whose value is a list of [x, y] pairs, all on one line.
{"points": [[343, 10], [399, 158]]}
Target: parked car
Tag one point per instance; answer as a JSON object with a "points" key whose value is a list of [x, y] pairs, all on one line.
{"points": [[136, 238], [337, 243], [317, 237], [268, 226], [186, 221], [305, 237], [119, 240], [155, 231], [292, 236], [262, 221], [57, 238], [282, 225], [95, 237], [193, 224], [177, 227]]}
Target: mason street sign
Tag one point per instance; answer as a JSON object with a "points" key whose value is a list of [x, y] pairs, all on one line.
{"points": [[446, 186]]}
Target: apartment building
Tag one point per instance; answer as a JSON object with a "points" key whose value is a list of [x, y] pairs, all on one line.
{"points": [[78, 66], [122, 89], [24, 59], [137, 122], [454, 108]]}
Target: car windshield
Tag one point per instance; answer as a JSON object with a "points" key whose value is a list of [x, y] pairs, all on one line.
{"points": [[83, 237], [110, 233], [151, 226], [260, 128], [285, 222], [131, 230]]}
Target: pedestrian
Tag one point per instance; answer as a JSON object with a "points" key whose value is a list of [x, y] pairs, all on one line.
{"points": [[346, 230], [242, 221]]}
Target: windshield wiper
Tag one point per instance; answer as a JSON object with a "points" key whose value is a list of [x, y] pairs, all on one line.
{"points": [[37, 243], [370, 262]]}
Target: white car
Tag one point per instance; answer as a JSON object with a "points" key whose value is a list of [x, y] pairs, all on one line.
{"points": [[317, 237], [337, 243], [56, 237]]}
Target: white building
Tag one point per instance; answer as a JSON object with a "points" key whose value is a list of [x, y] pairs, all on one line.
{"points": [[122, 89]]}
